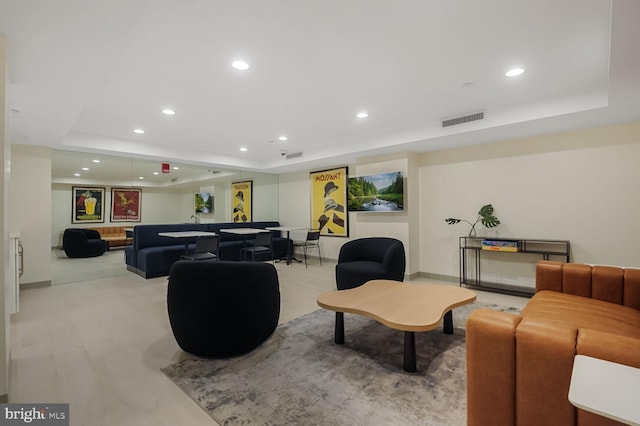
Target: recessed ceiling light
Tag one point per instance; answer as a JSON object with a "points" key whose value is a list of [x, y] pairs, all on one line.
{"points": [[76, 174], [240, 65], [176, 168], [138, 131], [282, 138], [243, 149], [168, 111], [141, 177], [514, 72], [362, 115], [85, 168], [156, 173], [96, 161]]}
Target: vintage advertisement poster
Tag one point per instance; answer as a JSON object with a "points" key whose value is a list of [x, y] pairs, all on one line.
{"points": [[125, 204], [328, 202], [88, 205], [241, 194]]}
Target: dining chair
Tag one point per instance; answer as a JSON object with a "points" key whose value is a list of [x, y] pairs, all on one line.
{"points": [[206, 249], [312, 241], [263, 245]]}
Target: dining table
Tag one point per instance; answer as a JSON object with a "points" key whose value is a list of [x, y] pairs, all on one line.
{"points": [[185, 235], [289, 256]]}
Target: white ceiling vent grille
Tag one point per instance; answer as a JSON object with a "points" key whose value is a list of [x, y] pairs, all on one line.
{"points": [[464, 119], [294, 155]]}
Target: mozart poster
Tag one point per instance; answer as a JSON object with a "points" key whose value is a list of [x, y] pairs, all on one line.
{"points": [[241, 201], [329, 201]]}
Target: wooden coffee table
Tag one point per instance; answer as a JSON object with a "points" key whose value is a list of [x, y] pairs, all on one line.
{"points": [[401, 306]]}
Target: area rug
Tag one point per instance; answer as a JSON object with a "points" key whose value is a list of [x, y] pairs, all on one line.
{"points": [[300, 377]]}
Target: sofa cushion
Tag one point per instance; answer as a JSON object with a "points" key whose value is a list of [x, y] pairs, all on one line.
{"points": [[157, 261], [582, 312]]}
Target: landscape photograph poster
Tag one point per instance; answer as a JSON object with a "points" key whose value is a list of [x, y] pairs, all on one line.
{"points": [[383, 192], [241, 201], [329, 201], [125, 204], [87, 204], [204, 202]]}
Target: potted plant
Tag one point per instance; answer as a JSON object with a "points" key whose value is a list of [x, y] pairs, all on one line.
{"points": [[485, 216]]}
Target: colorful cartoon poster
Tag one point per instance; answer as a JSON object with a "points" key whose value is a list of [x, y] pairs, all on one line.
{"points": [[88, 205], [241, 201], [125, 204], [328, 202]]}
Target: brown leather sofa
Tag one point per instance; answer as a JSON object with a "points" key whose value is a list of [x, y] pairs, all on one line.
{"points": [[116, 236], [519, 366]]}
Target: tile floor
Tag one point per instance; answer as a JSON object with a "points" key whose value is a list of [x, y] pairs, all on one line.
{"points": [[98, 344]]}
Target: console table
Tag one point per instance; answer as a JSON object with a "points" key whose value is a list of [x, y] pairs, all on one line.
{"points": [[545, 248]]}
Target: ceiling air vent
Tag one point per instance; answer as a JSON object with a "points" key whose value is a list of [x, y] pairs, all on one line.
{"points": [[464, 119], [294, 155]]}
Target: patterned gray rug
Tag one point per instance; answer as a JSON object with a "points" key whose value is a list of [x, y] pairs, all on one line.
{"points": [[300, 377]]}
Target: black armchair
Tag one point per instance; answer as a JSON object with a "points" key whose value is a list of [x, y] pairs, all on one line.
{"points": [[222, 309], [368, 259], [78, 242]]}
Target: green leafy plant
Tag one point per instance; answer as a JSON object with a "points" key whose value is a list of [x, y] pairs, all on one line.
{"points": [[485, 216]]}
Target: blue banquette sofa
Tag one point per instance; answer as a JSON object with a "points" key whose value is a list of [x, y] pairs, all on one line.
{"points": [[151, 255]]}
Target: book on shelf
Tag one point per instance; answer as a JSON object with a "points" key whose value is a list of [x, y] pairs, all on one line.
{"points": [[501, 248], [501, 245]]}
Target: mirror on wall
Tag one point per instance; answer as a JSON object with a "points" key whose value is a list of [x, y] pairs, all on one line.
{"points": [[124, 192]]}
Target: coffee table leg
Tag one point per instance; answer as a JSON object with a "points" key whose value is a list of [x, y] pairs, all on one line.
{"points": [[410, 352], [447, 325], [339, 333]]}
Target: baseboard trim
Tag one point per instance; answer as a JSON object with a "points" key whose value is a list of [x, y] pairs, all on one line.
{"points": [[409, 277], [439, 277], [37, 284]]}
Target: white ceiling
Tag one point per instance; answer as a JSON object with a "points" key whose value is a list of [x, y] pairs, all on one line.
{"points": [[83, 74]]}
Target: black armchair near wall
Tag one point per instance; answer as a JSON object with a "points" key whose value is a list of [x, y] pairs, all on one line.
{"points": [[368, 259], [78, 242], [222, 309]]}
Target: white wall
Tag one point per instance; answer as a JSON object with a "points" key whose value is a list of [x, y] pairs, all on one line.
{"points": [[5, 174], [265, 196], [30, 201], [157, 206], [160, 205], [582, 186], [295, 207]]}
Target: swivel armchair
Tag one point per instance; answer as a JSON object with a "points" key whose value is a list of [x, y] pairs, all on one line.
{"points": [[78, 242], [222, 309], [368, 259]]}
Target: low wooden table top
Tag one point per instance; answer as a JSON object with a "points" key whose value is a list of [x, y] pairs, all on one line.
{"points": [[398, 305]]}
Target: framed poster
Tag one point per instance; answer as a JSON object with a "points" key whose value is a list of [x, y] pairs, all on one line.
{"points": [[125, 204], [203, 202], [242, 201], [328, 202], [88, 204]]}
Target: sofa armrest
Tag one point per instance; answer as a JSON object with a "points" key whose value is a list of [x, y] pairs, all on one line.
{"points": [[544, 357], [610, 347], [491, 367]]}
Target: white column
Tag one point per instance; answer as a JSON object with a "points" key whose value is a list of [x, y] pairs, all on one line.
{"points": [[5, 159]]}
